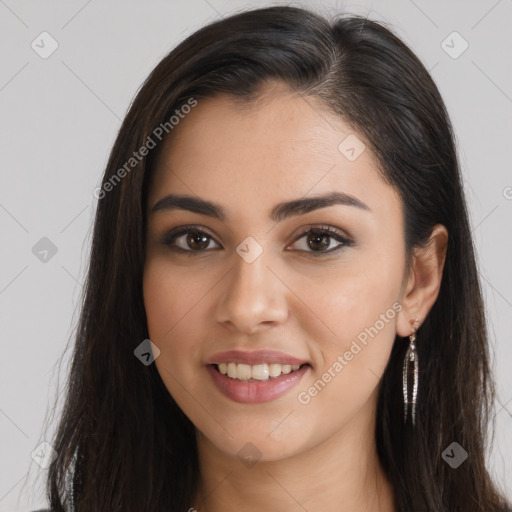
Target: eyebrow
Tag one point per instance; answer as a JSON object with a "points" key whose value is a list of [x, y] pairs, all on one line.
{"points": [[279, 213]]}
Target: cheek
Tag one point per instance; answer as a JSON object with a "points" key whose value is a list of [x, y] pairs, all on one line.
{"points": [[169, 298], [351, 361], [347, 301], [355, 312], [170, 303]]}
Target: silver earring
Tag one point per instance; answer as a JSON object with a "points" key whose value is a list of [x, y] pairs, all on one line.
{"points": [[411, 359]]}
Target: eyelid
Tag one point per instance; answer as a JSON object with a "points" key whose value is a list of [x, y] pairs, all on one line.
{"points": [[341, 237], [337, 234], [323, 228], [171, 235]]}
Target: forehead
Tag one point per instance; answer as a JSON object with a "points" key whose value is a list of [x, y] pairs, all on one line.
{"points": [[283, 145]]}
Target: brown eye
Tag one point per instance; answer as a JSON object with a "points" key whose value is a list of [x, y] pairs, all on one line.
{"points": [[188, 239], [197, 241], [316, 241], [320, 241]]}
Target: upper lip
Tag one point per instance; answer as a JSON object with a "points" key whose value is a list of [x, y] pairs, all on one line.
{"points": [[254, 357]]}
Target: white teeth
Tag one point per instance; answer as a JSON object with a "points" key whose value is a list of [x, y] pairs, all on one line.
{"points": [[275, 370], [258, 371], [232, 370], [243, 371]]}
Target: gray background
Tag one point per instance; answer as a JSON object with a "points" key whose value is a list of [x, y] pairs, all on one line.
{"points": [[59, 118]]}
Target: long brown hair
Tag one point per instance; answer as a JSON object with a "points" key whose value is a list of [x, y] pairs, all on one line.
{"points": [[122, 441]]}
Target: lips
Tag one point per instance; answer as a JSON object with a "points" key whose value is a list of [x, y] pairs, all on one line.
{"points": [[253, 392], [255, 357], [265, 387]]}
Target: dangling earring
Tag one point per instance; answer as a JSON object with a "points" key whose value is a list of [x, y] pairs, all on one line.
{"points": [[411, 359]]}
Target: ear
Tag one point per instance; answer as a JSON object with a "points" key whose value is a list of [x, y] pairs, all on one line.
{"points": [[423, 282]]}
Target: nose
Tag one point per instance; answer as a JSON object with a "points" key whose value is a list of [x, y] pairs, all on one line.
{"points": [[253, 298]]}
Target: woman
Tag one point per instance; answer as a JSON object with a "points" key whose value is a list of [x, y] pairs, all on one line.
{"points": [[282, 310]]}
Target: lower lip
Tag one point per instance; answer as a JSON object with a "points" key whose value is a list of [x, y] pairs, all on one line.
{"points": [[256, 391]]}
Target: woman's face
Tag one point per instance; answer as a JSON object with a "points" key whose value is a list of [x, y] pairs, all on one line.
{"points": [[258, 283]]}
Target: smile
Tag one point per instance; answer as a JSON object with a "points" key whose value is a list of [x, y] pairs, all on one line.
{"points": [[247, 372], [255, 383]]}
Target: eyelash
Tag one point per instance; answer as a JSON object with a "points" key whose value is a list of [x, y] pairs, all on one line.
{"points": [[169, 239]]}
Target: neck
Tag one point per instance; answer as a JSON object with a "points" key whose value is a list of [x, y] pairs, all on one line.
{"points": [[342, 474]]}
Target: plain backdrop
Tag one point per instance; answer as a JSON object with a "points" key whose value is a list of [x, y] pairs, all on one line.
{"points": [[60, 115]]}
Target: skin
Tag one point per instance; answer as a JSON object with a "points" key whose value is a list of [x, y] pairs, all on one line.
{"points": [[247, 158]]}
